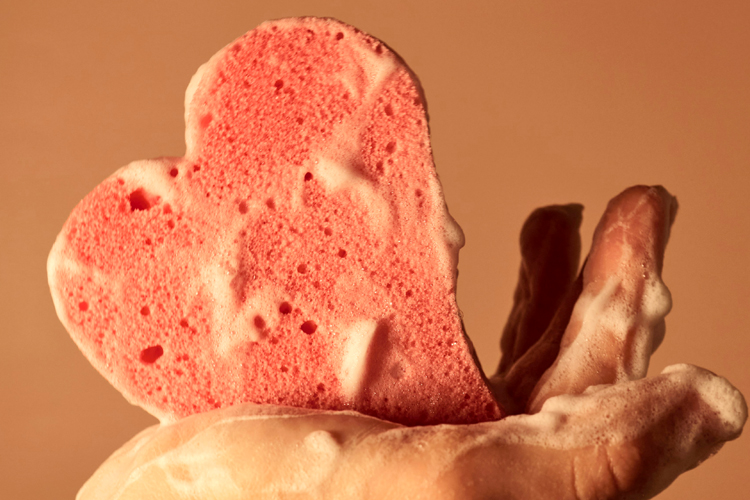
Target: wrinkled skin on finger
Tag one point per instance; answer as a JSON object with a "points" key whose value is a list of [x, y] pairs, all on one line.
{"points": [[585, 423]]}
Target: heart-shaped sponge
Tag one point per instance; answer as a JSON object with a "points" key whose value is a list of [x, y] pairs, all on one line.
{"points": [[299, 254]]}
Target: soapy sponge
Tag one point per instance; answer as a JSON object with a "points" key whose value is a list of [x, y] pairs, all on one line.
{"points": [[299, 254]]}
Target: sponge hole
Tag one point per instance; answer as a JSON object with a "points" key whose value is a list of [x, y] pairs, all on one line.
{"points": [[259, 322], [139, 200], [150, 354], [309, 327]]}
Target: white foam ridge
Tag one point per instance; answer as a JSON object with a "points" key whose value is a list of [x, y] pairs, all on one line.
{"points": [[357, 338]]}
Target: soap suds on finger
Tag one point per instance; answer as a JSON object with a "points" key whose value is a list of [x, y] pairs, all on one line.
{"points": [[618, 320]]}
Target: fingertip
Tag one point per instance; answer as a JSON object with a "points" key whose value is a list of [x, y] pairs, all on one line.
{"points": [[574, 213], [723, 398], [670, 202], [656, 197], [553, 225], [571, 213], [632, 235], [666, 202]]}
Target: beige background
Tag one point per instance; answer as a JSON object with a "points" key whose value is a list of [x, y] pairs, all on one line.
{"points": [[531, 103]]}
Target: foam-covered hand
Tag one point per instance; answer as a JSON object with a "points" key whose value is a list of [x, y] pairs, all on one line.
{"points": [[586, 425]]}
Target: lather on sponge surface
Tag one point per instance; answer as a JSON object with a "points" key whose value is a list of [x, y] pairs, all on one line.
{"points": [[299, 254]]}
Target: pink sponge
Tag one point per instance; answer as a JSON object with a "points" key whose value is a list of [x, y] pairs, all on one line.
{"points": [[300, 253]]}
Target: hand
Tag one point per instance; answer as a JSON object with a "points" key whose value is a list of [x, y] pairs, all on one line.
{"points": [[585, 422]]}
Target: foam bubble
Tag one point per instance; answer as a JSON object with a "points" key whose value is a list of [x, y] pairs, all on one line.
{"points": [[192, 130]]}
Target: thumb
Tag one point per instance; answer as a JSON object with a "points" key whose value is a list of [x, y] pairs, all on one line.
{"points": [[629, 440]]}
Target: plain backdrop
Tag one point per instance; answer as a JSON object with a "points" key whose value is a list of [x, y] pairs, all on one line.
{"points": [[531, 103]]}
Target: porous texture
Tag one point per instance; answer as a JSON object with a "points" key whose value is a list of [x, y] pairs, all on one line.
{"points": [[300, 254]]}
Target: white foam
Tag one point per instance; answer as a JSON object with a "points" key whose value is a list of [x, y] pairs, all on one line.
{"points": [[234, 321], [657, 300], [60, 265], [191, 474], [192, 129], [238, 323], [380, 68], [377, 67], [625, 314], [337, 173], [717, 392], [598, 319], [448, 231], [151, 175], [357, 338]]}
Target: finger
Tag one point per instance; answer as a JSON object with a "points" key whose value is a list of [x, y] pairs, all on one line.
{"points": [[618, 320], [550, 253], [627, 440], [514, 388]]}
